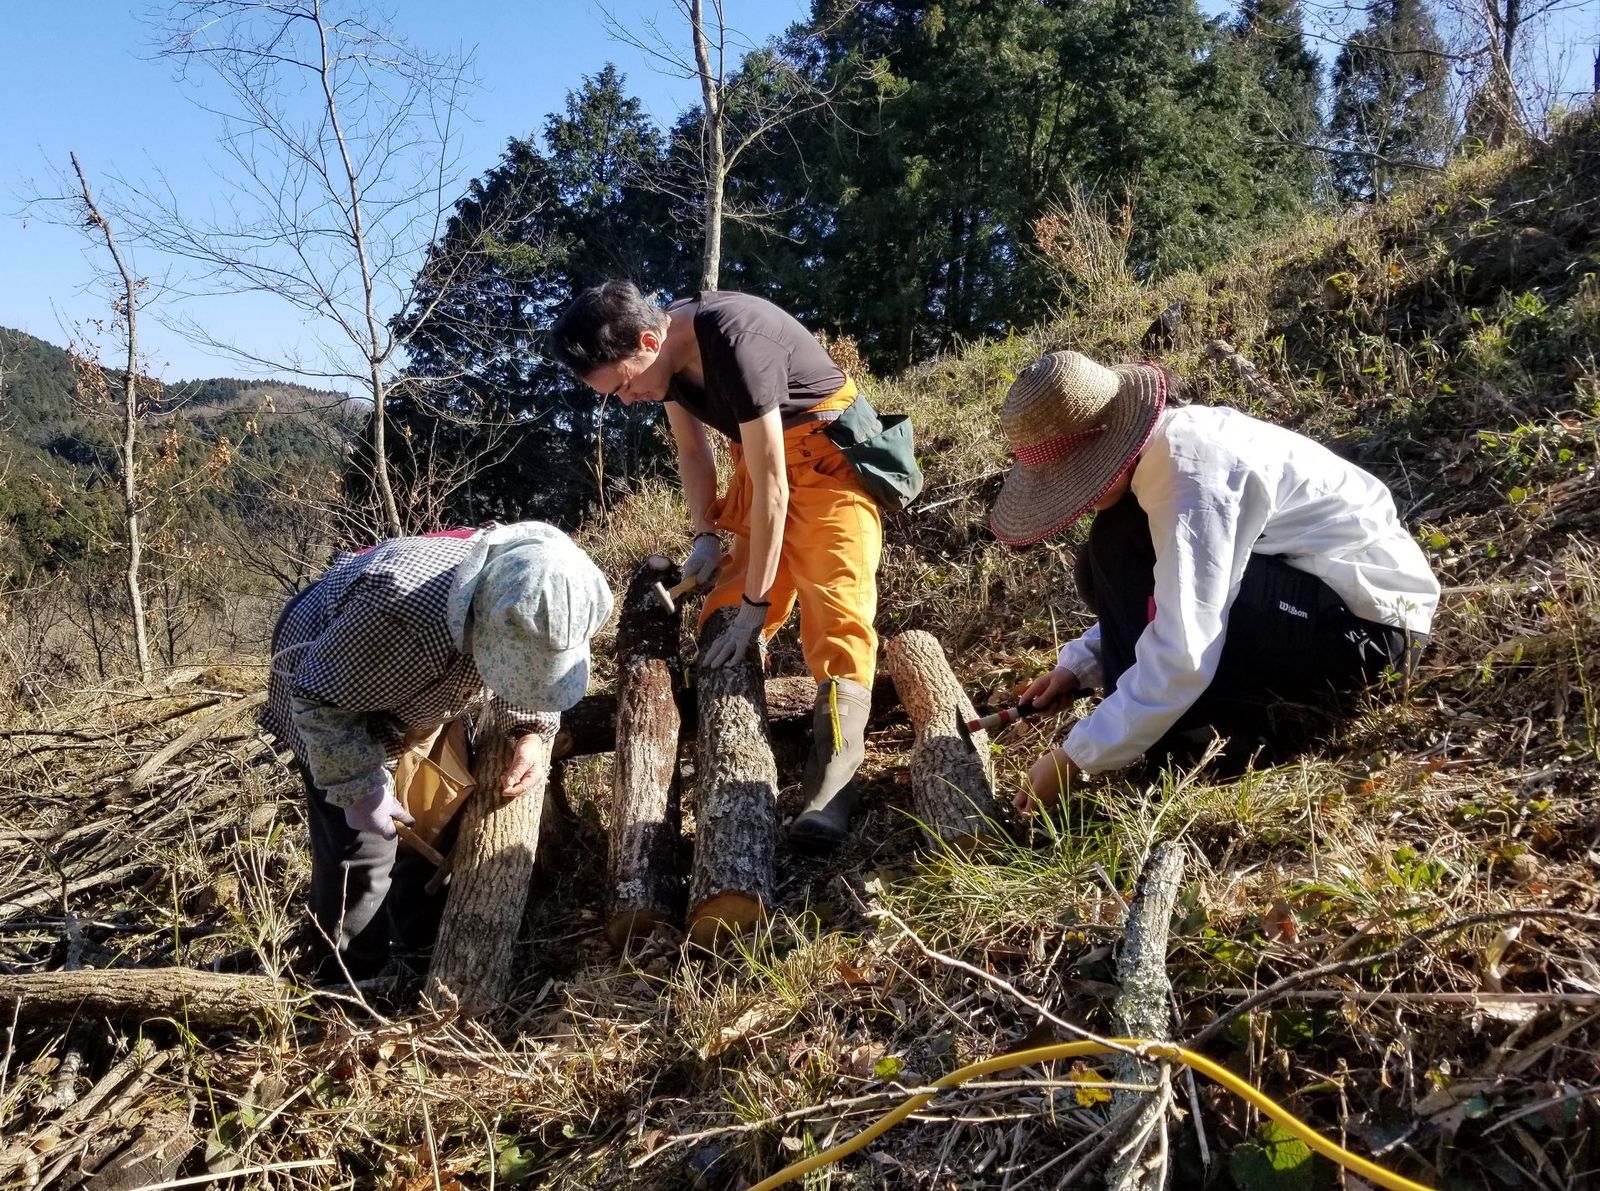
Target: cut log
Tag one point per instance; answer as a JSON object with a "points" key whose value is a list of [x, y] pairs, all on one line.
{"points": [[200, 1000], [736, 798], [1143, 1010], [952, 779], [590, 726], [491, 870], [646, 886], [1249, 375]]}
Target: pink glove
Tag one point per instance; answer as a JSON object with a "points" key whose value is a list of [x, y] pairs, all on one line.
{"points": [[375, 813]]}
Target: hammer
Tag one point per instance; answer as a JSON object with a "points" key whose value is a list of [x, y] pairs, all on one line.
{"points": [[667, 597]]}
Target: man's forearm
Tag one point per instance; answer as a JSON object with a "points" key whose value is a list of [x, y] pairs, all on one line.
{"points": [[699, 475], [769, 507]]}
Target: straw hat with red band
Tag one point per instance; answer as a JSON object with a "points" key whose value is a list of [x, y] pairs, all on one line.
{"points": [[1074, 425]]}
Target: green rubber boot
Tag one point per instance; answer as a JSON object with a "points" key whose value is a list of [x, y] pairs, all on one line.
{"points": [[838, 746]]}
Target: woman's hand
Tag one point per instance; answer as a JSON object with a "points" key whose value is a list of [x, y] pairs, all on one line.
{"points": [[1048, 779], [521, 769], [1050, 687]]}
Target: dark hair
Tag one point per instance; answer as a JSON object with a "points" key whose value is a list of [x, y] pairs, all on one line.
{"points": [[602, 325], [1180, 391]]}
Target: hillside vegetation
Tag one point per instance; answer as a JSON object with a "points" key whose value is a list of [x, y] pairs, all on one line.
{"points": [[218, 461], [1447, 844]]}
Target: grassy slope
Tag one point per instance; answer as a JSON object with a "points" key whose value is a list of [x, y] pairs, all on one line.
{"points": [[1448, 341]]}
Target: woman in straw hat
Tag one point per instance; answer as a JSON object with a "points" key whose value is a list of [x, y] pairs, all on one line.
{"points": [[1233, 565]]}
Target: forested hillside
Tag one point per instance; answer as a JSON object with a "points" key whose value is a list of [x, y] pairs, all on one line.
{"points": [[224, 463], [1379, 228]]}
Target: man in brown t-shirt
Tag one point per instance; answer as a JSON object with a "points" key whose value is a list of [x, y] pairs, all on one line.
{"points": [[803, 528]]}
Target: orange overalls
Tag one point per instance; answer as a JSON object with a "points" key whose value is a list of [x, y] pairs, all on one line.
{"points": [[832, 542]]}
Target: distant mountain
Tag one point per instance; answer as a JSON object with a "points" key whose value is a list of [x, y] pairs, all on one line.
{"points": [[38, 390], [58, 451]]}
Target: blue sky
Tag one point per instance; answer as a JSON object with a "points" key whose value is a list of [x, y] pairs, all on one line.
{"points": [[80, 77]]}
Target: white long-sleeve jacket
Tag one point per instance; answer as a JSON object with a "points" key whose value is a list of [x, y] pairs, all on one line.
{"points": [[1218, 485]]}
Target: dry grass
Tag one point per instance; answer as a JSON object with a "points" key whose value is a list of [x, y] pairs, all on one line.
{"points": [[1448, 341]]}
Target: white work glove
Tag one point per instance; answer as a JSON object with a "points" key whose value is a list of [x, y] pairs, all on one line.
{"points": [[730, 647], [704, 557], [375, 813]]}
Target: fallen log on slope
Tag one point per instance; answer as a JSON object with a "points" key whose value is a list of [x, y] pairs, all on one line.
{"points": [[952, 778], [590, 726], [201, 1000], [1143, 1010], [736, 798], [646, 886]]}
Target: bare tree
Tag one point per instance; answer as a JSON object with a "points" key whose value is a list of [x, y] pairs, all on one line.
{"points": [[127, 309], [1515, 71], [1508, 58], [739, 109], [339, 142]]}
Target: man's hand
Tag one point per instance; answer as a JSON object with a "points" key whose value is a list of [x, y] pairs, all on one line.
{"points": [[1050, 687], [704, 559], [1048, 778], [521, 770], [375, 813], [734, 641]]}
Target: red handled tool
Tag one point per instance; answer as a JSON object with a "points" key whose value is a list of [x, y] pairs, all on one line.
{"points": [[1007, 715]]}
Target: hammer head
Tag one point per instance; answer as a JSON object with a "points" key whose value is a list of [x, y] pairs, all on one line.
{"points": [[664, 598]]}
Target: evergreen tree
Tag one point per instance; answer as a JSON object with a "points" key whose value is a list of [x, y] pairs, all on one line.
{"points": [[544, 222], [955, 126], [1285, 123], [1390, 110]]}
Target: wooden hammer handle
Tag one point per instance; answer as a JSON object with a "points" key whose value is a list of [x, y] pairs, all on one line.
{"points": [[677, 589], [421, 846], [688, 584]]}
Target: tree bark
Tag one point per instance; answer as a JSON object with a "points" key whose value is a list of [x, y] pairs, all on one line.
{"points": [[716, 158], [491, 869], [736, 798], [590, 726], [209, 1000], [952, 782], [646, 886], [1249, 375], [1143, 1010]]}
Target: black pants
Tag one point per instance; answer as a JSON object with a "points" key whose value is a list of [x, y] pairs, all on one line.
{"points": [[368, 896], [1290, 645]]}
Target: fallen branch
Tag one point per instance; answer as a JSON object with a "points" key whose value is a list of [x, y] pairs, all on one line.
{"points": [[1249, 375], [1289, 983], [197, 999], [199, 730], [1143, 1010]]}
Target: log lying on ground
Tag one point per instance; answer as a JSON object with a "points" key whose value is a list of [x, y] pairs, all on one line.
{"points": [[646, 887], [1249, 375], [952, 784], [590, 726], [200, 1000], [736, 798], [1143, 1010], [491, 869]]}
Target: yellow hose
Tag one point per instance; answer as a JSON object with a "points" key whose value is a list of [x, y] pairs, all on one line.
{"points": [[1354, 1163]]}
